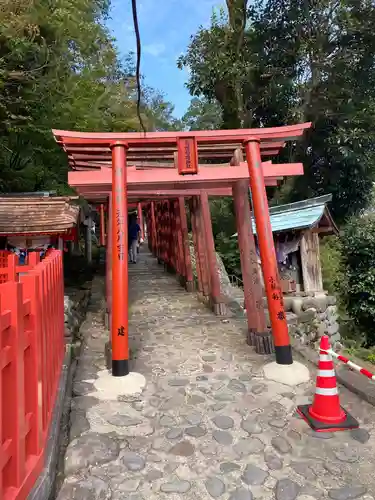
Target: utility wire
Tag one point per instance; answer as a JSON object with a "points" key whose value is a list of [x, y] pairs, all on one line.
{"points": [[138, 67]]}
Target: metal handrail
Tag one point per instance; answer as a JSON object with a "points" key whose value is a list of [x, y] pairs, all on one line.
{"points": [[235, 281]]}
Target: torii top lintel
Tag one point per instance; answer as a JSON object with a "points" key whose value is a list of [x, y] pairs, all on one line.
{"points": [[151, 158], [92, 147]]}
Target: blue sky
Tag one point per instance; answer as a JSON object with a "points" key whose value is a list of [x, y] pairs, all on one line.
{"points": [[165, 28]]}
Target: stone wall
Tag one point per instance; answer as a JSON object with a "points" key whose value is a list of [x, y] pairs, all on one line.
{"points": [[309, 317], [75, 306], [233, 294]]}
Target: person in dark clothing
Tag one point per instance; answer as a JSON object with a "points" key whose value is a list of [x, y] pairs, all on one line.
{"points": [[133, 239]]}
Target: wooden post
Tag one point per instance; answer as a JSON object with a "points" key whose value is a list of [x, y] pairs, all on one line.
{"points": [[217, 304], [275, 301], [169, 217], [60, 244], [201, 246], [88, 240], [186, 246], [164, 232], [140, 217], [252, 288], [310, 260], [148, 227], [161, 239], [180, 261], [102, 225], [119, 327], [172, 237], [153, 230], [194, 226]]}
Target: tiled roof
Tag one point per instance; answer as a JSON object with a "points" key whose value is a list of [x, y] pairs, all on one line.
{"points": [[304, 214], [32, 215]]}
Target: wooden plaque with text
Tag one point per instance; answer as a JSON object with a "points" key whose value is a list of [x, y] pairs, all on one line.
{"points": [[187, 155]]}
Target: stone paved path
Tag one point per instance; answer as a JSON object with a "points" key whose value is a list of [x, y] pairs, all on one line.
{"points": [[207, 425]]}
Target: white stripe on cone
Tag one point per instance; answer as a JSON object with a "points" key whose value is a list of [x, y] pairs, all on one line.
{"points": [[326, 391], [325, 357], [326, 373]]}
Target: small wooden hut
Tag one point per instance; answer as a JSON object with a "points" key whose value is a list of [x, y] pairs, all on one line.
{"points": [[296, 228], [35, 220]]}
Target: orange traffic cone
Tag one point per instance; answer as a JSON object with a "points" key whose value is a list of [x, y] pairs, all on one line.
{"points": [[326, 414]]}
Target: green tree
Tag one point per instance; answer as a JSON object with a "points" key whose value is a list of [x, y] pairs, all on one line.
{"points": [[293, 61], [59, 68], [202, 114], [358, 253]]}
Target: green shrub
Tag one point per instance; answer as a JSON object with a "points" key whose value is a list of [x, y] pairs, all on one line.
{"points": [[228, 250], [358, 253]]}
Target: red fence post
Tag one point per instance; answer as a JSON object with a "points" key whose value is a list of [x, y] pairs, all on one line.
{"points": [[13, 380], [12, 267], [34, 258], [43, 291], [33, 361]]}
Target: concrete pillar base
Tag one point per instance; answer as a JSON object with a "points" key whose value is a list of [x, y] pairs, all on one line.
{"points": [[250, 337], [219, 309], [109, 388], [292, 375]]}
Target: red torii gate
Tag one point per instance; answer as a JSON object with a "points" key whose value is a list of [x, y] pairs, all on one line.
{"points": [[162, 169]]}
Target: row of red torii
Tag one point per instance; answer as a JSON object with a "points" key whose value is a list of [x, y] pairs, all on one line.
{"points": [[166, 172]]}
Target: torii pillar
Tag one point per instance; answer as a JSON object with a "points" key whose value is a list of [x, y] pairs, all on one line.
{"points": [[121, 381], [251, 283], [119, 323], [284, 370]]}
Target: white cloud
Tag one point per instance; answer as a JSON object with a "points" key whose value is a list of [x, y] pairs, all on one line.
{"points": [[154, 49]]}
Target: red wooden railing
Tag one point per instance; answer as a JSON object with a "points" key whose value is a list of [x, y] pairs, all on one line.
{"points": [[11, 266], [31, 355]]}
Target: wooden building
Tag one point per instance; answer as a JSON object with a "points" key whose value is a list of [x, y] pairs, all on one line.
{"points": [[36, 220], [296, 228]]}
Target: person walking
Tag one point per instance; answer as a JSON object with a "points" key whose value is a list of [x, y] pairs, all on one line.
{"points": [[133, 238]]}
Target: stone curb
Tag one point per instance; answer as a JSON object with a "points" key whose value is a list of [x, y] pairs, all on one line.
{"points": [[356, 383]]}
